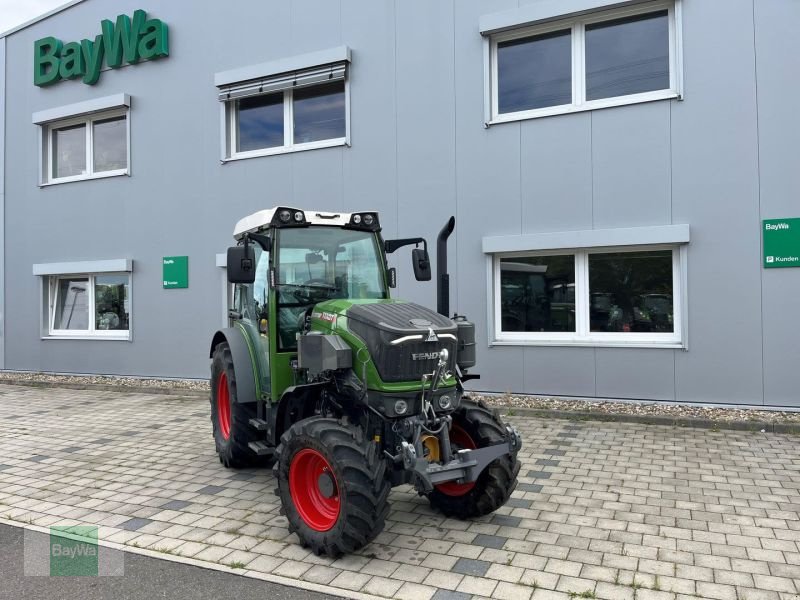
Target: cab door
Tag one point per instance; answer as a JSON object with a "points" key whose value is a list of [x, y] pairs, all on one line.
{"points": [[251, 302]]}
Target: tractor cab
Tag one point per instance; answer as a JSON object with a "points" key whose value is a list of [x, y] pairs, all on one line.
{"points": [[349, 391]]}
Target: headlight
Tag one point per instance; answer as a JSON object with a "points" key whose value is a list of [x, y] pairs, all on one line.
{"points": [[285, 216], [445, 402], [356, 219], [298, 216], [368, 219], [400, 407]]}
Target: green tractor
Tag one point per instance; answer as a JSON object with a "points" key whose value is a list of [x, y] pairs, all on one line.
{"points": [[348, 391]]}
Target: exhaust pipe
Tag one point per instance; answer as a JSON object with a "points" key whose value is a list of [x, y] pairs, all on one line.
{"points": [[442, 276]]}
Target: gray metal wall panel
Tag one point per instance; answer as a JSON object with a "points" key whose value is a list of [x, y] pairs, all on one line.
{"points": [[777, 52], [370, 165], [556, 173], [316, 25], [714, 157], [631, 166], [635, 373], [487, 189], [559, 371], [426, 193], [2, 200]]}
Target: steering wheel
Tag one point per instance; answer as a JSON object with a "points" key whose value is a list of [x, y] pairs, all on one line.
{"points": [[317, 281]]}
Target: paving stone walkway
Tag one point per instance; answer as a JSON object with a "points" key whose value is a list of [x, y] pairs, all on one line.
{"points": [[603, 510]]}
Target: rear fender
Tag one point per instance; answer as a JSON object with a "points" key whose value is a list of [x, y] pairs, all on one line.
{"points": [[242, 362]]}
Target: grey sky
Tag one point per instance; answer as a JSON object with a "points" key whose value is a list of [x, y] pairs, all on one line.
{"points": [[16, 12]]}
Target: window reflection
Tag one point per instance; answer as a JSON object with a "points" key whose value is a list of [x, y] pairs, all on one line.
{"points": [[69, 151], [537, 293], [112, 302], [319, 113], [631, 291], [534, 72], [72, 304], [259, 122], [627, 56], [110, 144]]}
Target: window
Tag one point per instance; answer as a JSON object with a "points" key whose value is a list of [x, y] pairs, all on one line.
{"points": [[302, 110], [89, 305], [322, 263], [86, 147], [591, 297], [598, 60]]}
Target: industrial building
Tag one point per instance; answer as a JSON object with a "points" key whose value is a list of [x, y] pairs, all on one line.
{"points": [[623, 175]]}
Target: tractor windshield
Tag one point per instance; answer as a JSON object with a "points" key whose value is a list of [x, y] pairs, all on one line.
{"points": [[321, 263]]}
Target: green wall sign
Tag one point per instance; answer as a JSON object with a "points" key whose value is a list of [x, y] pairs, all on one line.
{"points": [[175, 272], [125, 42], [781, 243]]}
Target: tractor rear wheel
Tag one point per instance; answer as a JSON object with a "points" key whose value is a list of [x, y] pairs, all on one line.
{"points": [[230, 419], [332, 484], [476, 426]]}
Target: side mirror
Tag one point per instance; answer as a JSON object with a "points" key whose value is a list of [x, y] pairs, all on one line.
{"points": [[241, 264], [391, 276], [422, 264]]}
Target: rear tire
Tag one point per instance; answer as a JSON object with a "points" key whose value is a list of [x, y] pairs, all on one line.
{"points": [[230, 419], [332, 484], [476, 426]]}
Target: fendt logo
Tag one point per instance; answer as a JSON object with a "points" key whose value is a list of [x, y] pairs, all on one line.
{"points": [[424, 355], [126, 41]]}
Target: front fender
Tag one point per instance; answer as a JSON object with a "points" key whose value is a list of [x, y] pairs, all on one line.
{"points": [[242, 362]]}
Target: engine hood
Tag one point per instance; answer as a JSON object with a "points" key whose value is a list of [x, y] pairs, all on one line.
{"points": [[403, 338]]}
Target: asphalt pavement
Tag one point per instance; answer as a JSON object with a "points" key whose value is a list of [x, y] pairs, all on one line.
{"points": [[145, 578]]}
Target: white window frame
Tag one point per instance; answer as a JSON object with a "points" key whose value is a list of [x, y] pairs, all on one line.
{"points": [[46, 176], [582, 335], [577, 25], [51, 289], [231, 129]]}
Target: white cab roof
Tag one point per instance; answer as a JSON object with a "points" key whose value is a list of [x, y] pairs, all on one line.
{"points": [[262, 218]]}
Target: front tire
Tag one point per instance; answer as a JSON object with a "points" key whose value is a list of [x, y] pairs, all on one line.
{"points": [[476, 426], [230, 419], [332, 484]]}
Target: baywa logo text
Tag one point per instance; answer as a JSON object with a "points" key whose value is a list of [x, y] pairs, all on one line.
{"points": [[776, 226], [74, 551]]}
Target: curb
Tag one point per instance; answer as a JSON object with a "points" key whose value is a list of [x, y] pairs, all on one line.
{"points": [[131, 389], [685, 422], [278, 579]]}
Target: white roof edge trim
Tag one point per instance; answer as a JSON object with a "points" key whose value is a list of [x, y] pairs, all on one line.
{"points": [[283, 65], [591, 238], [115, 265], [41, 17], [262, 218], [81, 108], [543, 11]]}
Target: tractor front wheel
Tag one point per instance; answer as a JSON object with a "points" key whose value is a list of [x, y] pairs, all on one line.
{"points": [[476, 426], [332, 484], [230, 419]]}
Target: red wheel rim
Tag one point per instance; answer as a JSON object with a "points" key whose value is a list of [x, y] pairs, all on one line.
{"points": [[460, 438], [224, 406], [314, 489]]}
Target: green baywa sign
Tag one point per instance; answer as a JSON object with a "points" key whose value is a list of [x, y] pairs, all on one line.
{"points": [[175, 272], [125, 42], [781, 243]]}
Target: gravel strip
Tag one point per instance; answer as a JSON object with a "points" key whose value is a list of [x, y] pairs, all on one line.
{"points": [[585, 408], [641, 409], [109, 380]]}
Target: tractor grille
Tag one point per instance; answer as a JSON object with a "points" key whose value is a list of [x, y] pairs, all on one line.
{"points": [[397, 363], [379, 324]]}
